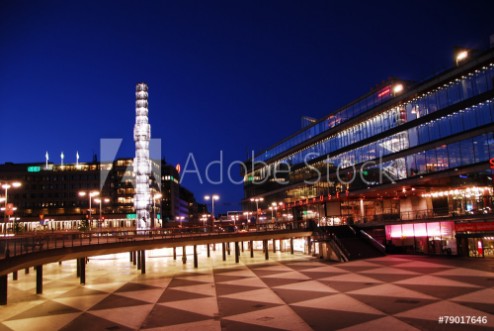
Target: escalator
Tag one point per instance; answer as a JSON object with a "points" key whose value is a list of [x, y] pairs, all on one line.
{"points": [[349, 243]]}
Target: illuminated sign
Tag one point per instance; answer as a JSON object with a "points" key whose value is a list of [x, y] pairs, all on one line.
{"points": [[491, 163], [384, 92], [131, 216], [33, 169]]}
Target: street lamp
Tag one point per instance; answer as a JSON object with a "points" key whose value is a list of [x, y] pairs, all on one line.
{"points": [[90, 195], [257, 206], [6, 186], [155, 197], [180, 219], [100, 201], [212, 198]]}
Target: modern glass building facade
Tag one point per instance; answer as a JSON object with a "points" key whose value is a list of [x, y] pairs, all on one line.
{"points": [[403, 152]]}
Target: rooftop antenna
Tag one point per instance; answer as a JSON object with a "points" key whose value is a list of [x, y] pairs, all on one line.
{"points": [[61, 157], [77, 159], [47, 157]]}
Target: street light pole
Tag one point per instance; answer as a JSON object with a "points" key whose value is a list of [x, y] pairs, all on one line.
{"points": [[90, 195], [212, 198], [6, 186]]}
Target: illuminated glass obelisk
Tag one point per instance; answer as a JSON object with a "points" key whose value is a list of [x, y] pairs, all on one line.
{"points": [[142, 164]]}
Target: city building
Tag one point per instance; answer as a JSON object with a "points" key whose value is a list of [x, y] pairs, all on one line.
{"points": [[412, 162], [58, 195]]}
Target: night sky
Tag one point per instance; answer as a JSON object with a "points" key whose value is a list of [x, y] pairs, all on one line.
{"points": [[231, 76]]}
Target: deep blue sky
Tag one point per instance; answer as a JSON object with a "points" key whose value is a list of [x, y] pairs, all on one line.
{"points": [[223, 75]]}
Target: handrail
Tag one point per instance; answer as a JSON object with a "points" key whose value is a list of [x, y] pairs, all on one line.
{"points": [[11, 246], [380, 247]]}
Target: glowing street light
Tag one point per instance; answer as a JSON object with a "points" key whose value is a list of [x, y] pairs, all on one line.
{"points": [[180, 219], [212, 197], [90, 195], [100, 201], [6, 187], [256, 200], [461, 55]]}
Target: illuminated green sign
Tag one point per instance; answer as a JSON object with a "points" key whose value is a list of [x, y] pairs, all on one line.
{"points": [[131, 216], [33, 169]]}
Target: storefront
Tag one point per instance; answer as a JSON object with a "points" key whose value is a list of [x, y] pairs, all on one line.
{"points": [[434, 238], [475, 239]]}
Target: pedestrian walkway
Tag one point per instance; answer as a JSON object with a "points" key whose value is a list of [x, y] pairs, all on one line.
{"points": [[289, 292]]}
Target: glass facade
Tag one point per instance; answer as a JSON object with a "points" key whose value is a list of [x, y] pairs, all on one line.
{"points": [[465, 119]]}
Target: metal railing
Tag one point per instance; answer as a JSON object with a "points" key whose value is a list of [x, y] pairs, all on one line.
{"points": [[15, 245]]}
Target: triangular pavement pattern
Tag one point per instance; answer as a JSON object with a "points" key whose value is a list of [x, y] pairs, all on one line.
{"points": [[164, 317], [261, 295], [229, 307], [205, 325], [82, 303], [435, 281], [205, 289], [288, 275], [150, 296], [281, 317], [387, 323], [88, 321], [131, 317], [203, 306], [341, 302], [310, 285], [389, 271], [482, 296], [250, 282], [352, 278], [392, 290], [117, 301], [47, 308], [464, 272], [41, 323]]}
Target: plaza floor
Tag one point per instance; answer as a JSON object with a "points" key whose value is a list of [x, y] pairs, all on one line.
{"points": [[290, 292]]}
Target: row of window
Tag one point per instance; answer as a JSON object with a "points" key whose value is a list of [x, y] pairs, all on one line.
{"points": [[332, 121], [455, 91], [454, 123]]}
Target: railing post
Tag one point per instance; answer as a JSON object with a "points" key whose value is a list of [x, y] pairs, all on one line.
{"points": [[82, 265], [237, 252], [208, 248], [223, 251], [251, 244], [143, 261], [196, 264], [291, 246], [39, 279], [3, 289], [174, 253], [184, 255], [266, 249]]}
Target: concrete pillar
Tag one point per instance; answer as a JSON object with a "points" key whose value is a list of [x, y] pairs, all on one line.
{"points": [[196, 263], [131, 257], [266, 249], [208, 247], [82, 269], [223, 251], [228, 247], [242, 246], [174, 253], [39, 279], [251, 244], [274, 246], [184, 254], [3, 289], [143, 261], [78, 268], [134, 257], [139, 262], [14, 275], [291, 246], [237, 252]]}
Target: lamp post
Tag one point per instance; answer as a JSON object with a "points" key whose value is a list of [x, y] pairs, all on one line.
{"points": [[6, 187], [180, 219], [256, 200], [100, 201], [90, 195], [155, 197], [212, 198]]}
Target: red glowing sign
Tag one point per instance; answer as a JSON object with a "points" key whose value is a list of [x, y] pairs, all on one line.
{"points": [[384, 92]]}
